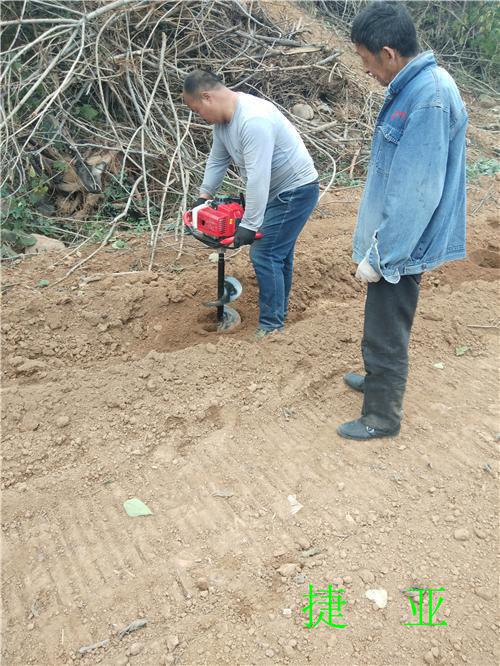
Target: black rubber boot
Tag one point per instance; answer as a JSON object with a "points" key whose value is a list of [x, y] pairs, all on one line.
{"points": [[362, 432]]}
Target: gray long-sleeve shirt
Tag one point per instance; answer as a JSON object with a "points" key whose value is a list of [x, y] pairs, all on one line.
{"points": [[267, 150]]}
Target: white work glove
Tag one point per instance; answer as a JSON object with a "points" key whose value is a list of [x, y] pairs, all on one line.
{"points": [[366, 273]]}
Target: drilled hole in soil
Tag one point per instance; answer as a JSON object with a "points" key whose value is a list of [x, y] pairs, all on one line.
{"points": [[208, 323], [486, 258]]}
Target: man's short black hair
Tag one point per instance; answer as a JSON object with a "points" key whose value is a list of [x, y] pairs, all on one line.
{"points": [[200, 80], [385, 24]]}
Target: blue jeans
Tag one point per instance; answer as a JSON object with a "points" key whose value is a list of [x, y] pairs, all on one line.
{"points": [[272, 255]]}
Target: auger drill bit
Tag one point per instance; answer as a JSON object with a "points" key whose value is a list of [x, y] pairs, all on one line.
{"points": [[228, 290]]}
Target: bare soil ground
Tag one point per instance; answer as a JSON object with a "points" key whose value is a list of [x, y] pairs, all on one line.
{"points": [[114, 388]]}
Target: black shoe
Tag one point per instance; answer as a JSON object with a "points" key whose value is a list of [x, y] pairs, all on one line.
{"points": [[358, 430], [355, 381]]}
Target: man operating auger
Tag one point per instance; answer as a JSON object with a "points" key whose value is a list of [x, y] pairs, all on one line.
{"points": [[281, 183]]}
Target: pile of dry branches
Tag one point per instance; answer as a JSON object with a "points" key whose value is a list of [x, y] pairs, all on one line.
{"points": [[92, 99]]}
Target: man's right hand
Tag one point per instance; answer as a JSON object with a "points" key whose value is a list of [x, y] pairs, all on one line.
{"points": [[200, 201], [243, 236]]}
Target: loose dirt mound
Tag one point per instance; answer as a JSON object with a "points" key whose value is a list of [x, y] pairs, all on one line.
{"points": [[131, 312]]}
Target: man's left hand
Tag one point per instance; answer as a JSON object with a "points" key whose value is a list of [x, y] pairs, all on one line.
{"points": [[366, 273], [243, 236]]}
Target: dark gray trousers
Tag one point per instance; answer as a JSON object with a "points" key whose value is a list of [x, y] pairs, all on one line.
{"points": [[389, 313]]}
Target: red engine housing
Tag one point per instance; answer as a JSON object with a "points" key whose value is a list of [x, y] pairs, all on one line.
{"points": [[220, 221]]}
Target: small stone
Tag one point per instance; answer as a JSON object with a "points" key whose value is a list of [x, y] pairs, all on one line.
{"points": [[287, 612], [135, 649], [287, 570], [435, 651], [211, 348], [29, 367], [311, 552], [432, 316], [172, 643], [303, 111], [429, 657], [202, 584], [367, 576], [121, 661], [479, 533], [484, 593], [113, 403], [462, 534], [16, 361], [45, 244], [176, 296], [379, 597], [270, 653], [62, 421], [341, 485]]}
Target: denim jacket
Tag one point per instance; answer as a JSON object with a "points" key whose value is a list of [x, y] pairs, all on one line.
{"points": [[412, 214]]}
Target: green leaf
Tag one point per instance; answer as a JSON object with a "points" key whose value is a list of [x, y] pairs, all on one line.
{"points": [[43, 283], [60, 165], [460, 351], [119, 244], [439, 365], [87, 112], [135, 507]]}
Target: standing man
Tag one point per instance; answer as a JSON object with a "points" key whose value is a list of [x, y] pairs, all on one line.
{"points": [[412, 214], [281, 183]]}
